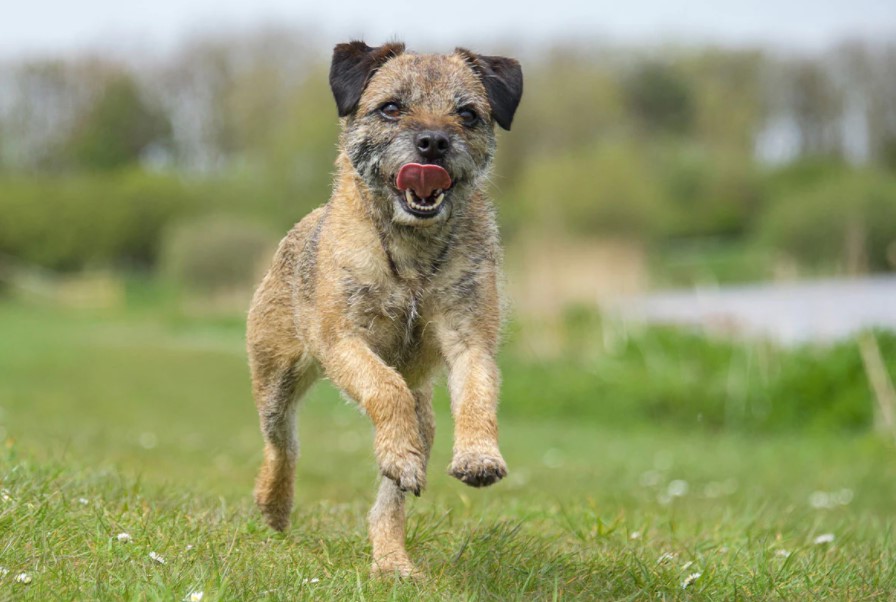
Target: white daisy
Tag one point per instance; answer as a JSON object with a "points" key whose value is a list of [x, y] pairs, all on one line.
{"points": [[823, 539], [123, 537], [194, 596], [689, 580], [157, 558], [677, 488], [666, 557], [23, 578]]}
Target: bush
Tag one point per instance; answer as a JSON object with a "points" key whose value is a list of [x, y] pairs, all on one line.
{"points": [[708, 194], [605, 189], [840, 220], [216, 254], [68, 223], [665, 375]]}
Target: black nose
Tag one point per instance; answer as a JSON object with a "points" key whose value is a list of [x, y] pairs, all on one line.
{"points": [[432, 144]]}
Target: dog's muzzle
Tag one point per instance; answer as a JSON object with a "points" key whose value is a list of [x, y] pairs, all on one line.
{"points": [[423, 187]]}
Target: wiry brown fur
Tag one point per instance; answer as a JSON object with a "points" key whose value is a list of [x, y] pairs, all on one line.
{"points": [[377, 301]]}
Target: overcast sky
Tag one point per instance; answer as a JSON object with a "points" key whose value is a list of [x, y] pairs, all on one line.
{"points": [[60, 26]]}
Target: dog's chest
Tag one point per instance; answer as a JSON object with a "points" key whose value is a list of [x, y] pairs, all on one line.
{"points": [[389, 315]]}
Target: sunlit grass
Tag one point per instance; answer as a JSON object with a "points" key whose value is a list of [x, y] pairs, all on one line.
{"points": [[143, 426]]}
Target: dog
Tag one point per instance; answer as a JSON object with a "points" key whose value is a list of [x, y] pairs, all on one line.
{"points": [[393, 278]]}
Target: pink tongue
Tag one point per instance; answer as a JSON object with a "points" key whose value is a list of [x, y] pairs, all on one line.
{"points": [[422, 179]]}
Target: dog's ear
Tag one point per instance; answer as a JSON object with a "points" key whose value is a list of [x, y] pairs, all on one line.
{"points": [[352, 67], [503, 81]]}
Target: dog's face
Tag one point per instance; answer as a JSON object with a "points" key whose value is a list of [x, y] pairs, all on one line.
{"points": [[419, 129]]}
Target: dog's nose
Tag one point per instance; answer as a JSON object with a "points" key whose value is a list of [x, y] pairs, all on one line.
{"points": [[432, 144]]}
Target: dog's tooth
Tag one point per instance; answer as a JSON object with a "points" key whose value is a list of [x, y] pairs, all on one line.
{"points": [[439, 199], [409, 196]]}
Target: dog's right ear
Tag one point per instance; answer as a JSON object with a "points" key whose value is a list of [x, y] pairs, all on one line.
{"points": [[352, 67]]}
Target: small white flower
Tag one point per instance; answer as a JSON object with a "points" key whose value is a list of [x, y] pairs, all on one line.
{"points": [[820, 500], [689, 580], [687, 565], [83, 501], [314, 580], [823, 539], [123, 537], [843, 497], [5, 496], [650, 478], [666, 557], [635, 535], [189, 547], [782, 553], [157, 558], [194, 597], [23, 578], [3, 571], [677, 488]]}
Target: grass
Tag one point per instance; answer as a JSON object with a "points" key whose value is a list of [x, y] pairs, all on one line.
{"points": [[140, 422]]}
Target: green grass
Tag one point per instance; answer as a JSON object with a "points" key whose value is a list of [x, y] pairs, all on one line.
{"points": [[140, 422]]}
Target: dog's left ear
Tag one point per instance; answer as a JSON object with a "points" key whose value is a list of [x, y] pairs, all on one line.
{"points": [[503, 81], [352, 67]]}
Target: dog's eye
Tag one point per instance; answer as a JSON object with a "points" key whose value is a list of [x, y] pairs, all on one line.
{"points": [[468, 116], [390, 110]]}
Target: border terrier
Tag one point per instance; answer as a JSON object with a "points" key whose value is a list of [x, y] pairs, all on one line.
{"points": [[395, 276]]}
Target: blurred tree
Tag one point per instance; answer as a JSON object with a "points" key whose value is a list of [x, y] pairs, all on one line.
{"points": [[727, 94], [37, 106], [867, 75], [660, 99], [817, 108], [118, 128]]}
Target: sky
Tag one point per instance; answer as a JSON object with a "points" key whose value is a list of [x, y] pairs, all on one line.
{"points": [[58, 27]]}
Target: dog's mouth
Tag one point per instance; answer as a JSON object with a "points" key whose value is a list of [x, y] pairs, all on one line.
{"points": [[422, 188]]}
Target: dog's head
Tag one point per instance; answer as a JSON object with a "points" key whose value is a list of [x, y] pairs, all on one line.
{"points": [[419, 129]]}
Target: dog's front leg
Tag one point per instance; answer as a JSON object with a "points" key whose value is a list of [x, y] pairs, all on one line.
{"points": [[383, 394], [474, 381]]}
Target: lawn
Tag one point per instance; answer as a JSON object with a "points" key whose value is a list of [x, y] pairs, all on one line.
{"points": [[140, 422]]}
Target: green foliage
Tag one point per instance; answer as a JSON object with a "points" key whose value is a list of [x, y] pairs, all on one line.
{"points": [[840, 220], [668, 376], [601, 189], [118, 128], [707, 194], [660, 99], [214, 254], [72, 222]]}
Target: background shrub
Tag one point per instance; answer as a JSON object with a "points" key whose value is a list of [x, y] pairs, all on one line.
{"points": [[839, 220], [216, 254]]}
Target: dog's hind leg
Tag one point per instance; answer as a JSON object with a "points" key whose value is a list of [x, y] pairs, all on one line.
{"points": [[387, 517], [276, 393]]}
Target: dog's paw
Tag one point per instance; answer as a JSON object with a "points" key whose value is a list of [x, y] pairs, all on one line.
{"points": [[405, 465], [402, 569], [478, 469], [275, 511]]}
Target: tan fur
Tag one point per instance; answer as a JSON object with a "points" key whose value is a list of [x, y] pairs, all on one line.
{"points": [[376, 302]]}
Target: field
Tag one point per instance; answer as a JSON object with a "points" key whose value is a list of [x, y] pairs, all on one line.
{"points": [[139, 421]]}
